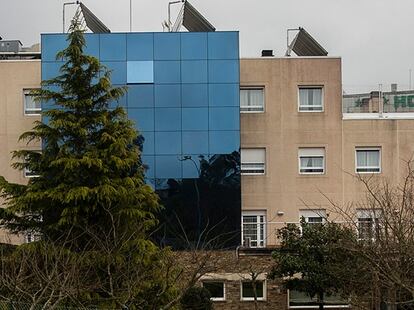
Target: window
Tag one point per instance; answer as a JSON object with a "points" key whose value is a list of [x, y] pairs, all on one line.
{"points": [[310, 99], [313, 216], [311, 160], [31, 107], [253, 229], [253, 161], [140, 72], [302, 300], [252, 100], [31, 237], [368, 160], [368, 224], [30, 174], [248, 292], [216, 289]]}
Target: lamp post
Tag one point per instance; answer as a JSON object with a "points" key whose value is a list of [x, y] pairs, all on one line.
{"points": [[185, 158], [64, 6]]}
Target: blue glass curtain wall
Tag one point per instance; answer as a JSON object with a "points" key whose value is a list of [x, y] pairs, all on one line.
{"points": [[183, 95]]}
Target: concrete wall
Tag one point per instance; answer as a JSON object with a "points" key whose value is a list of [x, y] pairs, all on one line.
{"points": [[281, 129], [15, 76]]}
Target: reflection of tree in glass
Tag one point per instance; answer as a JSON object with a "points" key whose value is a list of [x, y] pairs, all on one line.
{"points": [[216, 194]]}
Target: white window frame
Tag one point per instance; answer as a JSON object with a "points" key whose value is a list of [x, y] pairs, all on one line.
{"points": [[321, 87], [376, 148], [224, 289], [261, 243], [312, 152], [32, 112], [374, 216], [314, 213], [253, 167], [260, 109], [264, 297]]}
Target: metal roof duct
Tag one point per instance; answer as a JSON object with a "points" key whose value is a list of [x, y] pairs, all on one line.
{"points": [[93, 22], [305, 45], [192, 20]]}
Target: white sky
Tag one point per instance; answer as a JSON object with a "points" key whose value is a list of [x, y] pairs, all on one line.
{"points": [[373, 37]]}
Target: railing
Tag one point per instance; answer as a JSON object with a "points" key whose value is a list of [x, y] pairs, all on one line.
{"points": [[399, 102]]}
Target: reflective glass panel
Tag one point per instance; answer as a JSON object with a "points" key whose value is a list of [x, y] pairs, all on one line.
{"points": [[143, 118], [193, 45], [113, 47], [50, 70], [168, 143], [223, 45], [224, 142], [194, 95], [140, 46], [140, 96], [195, 142], [168, 167], [223, 71], [167, 119], [149, 142], [224, 118], [191, 166], [195, 118], [121, 102], [168, 95], [118, 71], [167, 72], [92, 44], [194, 71], [149, 163], [140, 72], [224, 95], [51, 45], [167, 46]]}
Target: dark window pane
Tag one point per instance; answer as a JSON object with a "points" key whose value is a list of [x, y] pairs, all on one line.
{"points": [[140, 96], [168, 95], [118, 71], [92, 44], [149, 163], [51, 45], [224, 142], [193, 45], [167, 119], [194, 95], [149, 143], [168, 143], [167, 167], [140, 46], [167, 46], [50, 70], [112, 47], [248, 291], [191, 167], [195, 142], [143, 118], [167, 72], [224, 95], [121, 102], [224, 118], [195, 118], [194, 71], [223, 45], [223, 71], [216, 289]]}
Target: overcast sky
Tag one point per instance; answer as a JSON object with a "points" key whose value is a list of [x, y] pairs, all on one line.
{"points": [[373, 37]]}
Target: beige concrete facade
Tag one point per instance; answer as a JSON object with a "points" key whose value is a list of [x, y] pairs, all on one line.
{"points": [[15, 77], [282, 191]]}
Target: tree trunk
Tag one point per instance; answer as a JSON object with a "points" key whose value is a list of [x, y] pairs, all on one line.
{"points": [[320, 297]]}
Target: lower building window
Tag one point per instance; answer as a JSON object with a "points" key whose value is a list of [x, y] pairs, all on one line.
{"points": [[368, 224], [253, 161], [253, 229], [31, 106], [316, 216], [368, 160], [216, 289], [253, 290], [311, 160], [302, 300]]}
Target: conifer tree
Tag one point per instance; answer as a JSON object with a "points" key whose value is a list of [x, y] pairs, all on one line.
{"points": [[90, 171]]}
